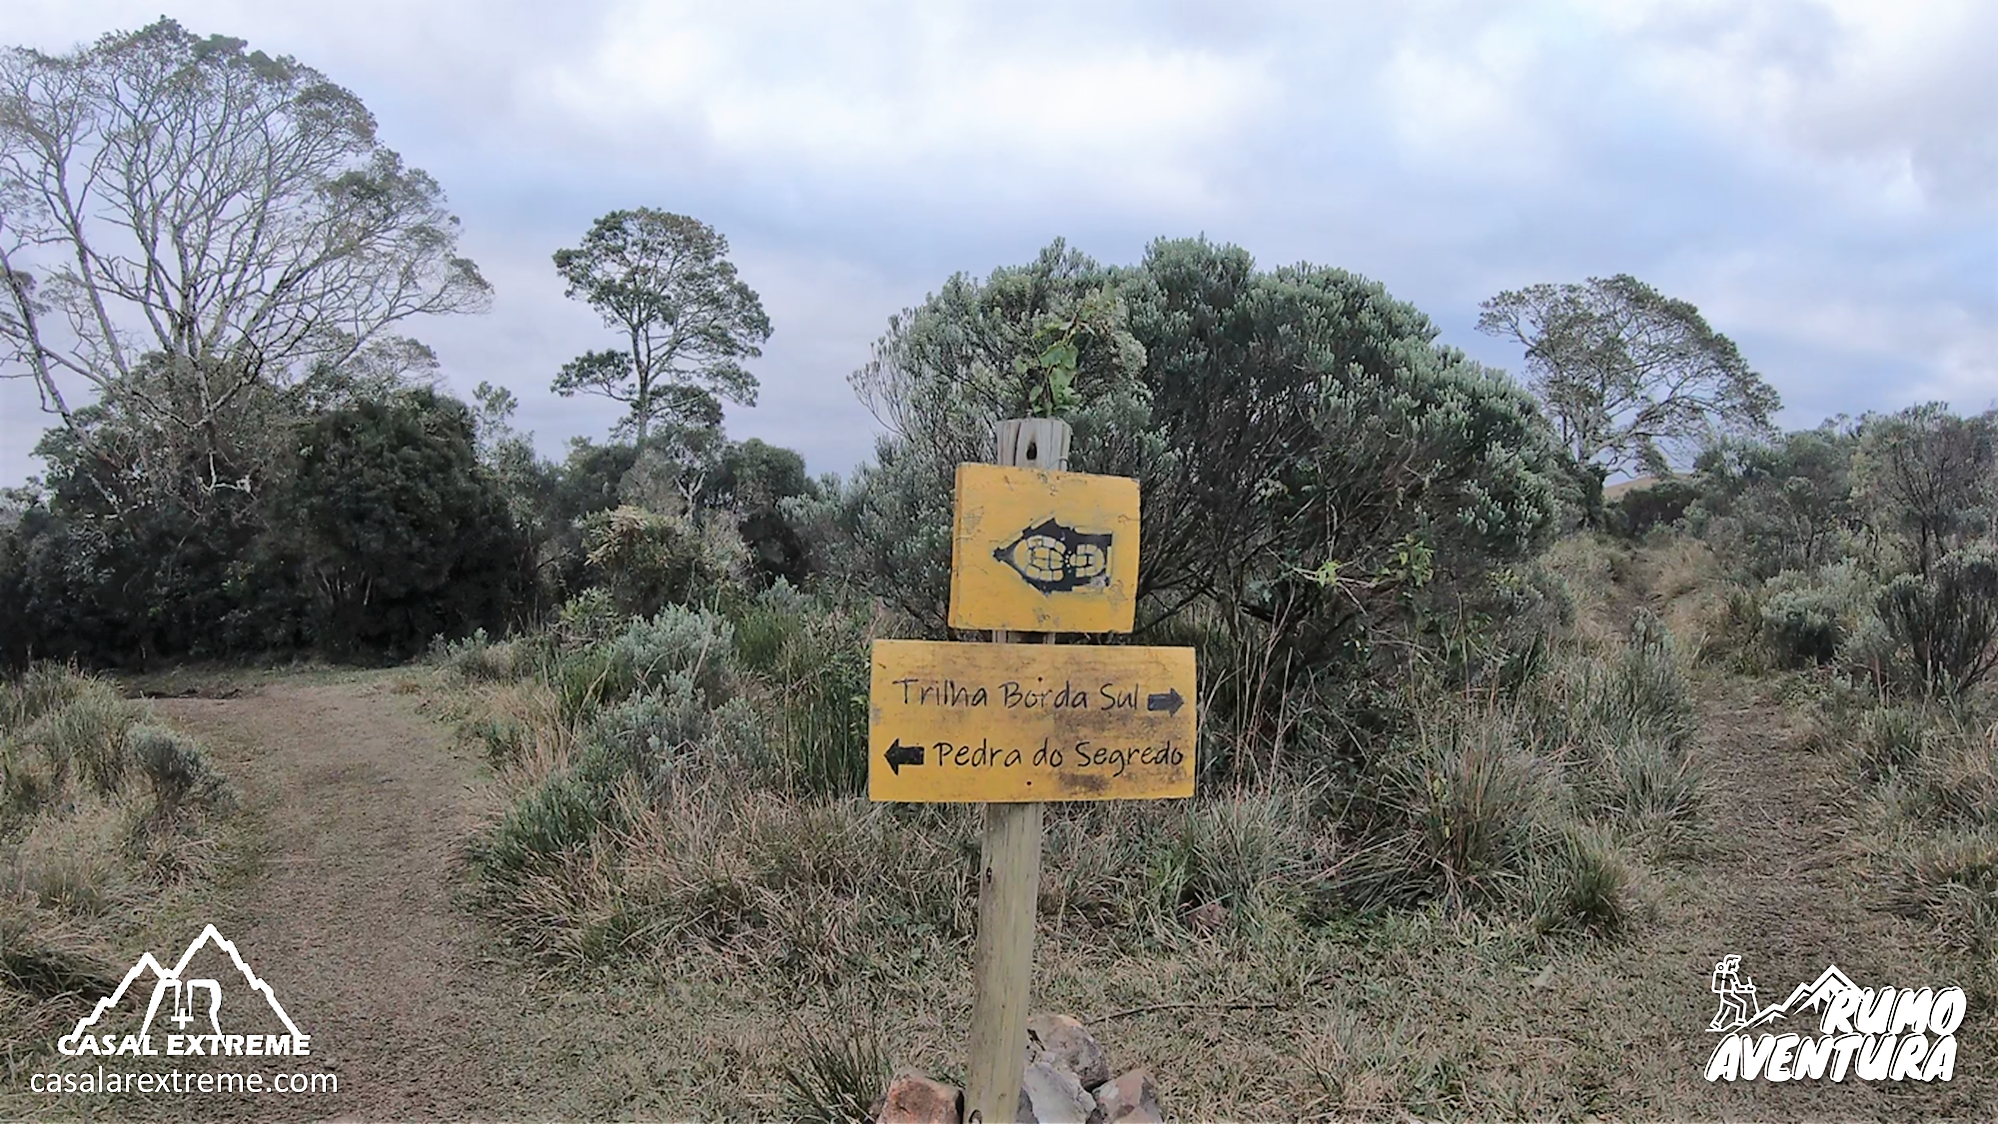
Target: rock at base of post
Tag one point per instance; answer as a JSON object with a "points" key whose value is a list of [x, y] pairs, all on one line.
{"points": [[1049, 1094], [1063, 1041], [1129, 1098], [915, 1100]]}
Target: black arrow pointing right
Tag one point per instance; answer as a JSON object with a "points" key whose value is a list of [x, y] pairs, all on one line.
{"points": [[1167, 701], [899, 755]]}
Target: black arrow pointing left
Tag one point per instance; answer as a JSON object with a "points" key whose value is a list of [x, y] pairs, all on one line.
{"points": [[899, 755]]}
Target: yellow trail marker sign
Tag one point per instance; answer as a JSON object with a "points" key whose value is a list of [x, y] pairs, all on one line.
{"points": [[1001, 723], [1044, 552]]}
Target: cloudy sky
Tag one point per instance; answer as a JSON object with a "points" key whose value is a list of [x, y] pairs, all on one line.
{"points": [[1821, 179]]}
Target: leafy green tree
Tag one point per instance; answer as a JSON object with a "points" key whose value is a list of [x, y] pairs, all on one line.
{"points": [[139, 557], [664, 284], [1781, 505], [940, 378], [202, 247], [755, 474], [508, 458], [754, 482], [1626, 373], [589, 480], [398, 531], [1316, 472]]}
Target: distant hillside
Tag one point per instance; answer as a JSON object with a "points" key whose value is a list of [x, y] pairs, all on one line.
{"points": [[1634, 484]]}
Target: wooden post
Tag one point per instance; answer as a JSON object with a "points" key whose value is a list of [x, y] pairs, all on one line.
{"points": [[1009, 884]]}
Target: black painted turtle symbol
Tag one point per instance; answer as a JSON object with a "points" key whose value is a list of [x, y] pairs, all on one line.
{"points": [[1053, 558]]}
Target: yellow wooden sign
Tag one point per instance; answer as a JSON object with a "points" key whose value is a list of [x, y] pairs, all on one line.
{"points": [[971, 722], [1044, 552]]}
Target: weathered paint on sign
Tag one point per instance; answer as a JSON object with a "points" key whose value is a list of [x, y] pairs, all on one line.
{"points": [[1044, 552], [969, 722]]}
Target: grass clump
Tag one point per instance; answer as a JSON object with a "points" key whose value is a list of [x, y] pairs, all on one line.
{"points": [[47, 958], [809, 660], [1585, 884], [1953, 884], [102, 814], [69, 740], [833, 1078], [1472, 797]]}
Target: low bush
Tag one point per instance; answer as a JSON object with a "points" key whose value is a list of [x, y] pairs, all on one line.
{"points": [[1948, 620], [544, 823], [177, 769], [477, 657], [1807, 616], [652, 560], [644, 654], [687, 784]]}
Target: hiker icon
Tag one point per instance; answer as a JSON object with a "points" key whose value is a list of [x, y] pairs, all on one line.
{"points": [[1737, 994]]}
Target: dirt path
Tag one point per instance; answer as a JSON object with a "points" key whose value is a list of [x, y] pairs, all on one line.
{"points": [[362, 805], [1781, 890], [1782, 882]]}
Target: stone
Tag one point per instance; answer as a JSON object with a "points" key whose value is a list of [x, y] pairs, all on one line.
{"points": [[915, 1100], [1049, 1093], [1209, 919], [1130, 1097], [1063, 1041]]}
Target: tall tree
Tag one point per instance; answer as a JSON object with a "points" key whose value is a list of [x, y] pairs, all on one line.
{"points": [[211, 220], [1279, 421], [664, 283], [1628, 374], [399, 533], [1931, 475]]}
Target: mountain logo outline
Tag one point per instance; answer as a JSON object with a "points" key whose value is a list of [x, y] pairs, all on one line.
{"points": [[172, 984], [1811, 997]]}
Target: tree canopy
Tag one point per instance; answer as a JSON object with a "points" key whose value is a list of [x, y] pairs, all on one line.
{"points": [[664, 284], [226, 219], [1628, 375], [1308, 455], [400, 536], [207, 254], [1933, 475]]}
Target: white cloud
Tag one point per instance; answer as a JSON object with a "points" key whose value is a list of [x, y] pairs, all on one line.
{"points": [[921, 92], [1892, 102], [1467, 98]]}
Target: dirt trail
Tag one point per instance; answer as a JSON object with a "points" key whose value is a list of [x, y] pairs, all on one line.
{"points": [[1782, 883], [362, 806]]}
